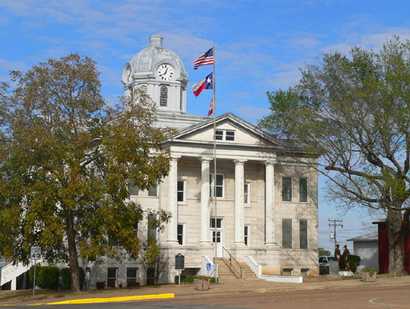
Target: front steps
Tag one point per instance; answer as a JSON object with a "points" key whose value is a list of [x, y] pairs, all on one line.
{"points": [[241, 271], [10, 272]]}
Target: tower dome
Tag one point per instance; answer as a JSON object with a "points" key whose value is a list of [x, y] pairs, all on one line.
{"points": [[160, 73]]}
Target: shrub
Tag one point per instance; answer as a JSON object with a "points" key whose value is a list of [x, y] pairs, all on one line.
{"points": [[65, 274], [187, 279], [369, 270], [46, 277], [354, 261], [65, 283]]}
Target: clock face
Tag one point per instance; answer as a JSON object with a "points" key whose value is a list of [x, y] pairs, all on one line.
{"points": [[165, 72]]}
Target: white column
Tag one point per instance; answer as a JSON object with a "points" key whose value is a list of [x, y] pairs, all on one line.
{"points": [[172, 199], [13, 284], [239, 200], [205, 199], [269, 201]]}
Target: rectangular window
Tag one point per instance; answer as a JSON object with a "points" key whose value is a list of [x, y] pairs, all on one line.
{"points": [[246, 234], [286, 189], [247, 194], [163, 98], [216, 223], [152, 230], [153, 190], [132, 188], [287, 233], [219, 135], [303, 190], [132, 277], [303, 234], [230, 135], [180, 234], [219, 185], [225, 135], [181, 191]]}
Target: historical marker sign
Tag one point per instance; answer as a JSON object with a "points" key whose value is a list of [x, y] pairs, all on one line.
{"points": [[179, 261]]}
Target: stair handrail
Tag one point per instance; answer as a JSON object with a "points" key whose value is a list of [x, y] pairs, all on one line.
{"points": [[231, 263]]}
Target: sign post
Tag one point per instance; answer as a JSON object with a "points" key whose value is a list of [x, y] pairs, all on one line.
{"points": [[35, 254]]}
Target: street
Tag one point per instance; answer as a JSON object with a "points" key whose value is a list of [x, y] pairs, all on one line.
{"points": [[347, 298]]}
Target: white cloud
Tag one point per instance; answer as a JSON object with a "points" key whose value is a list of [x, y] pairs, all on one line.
{"points": [[186, 45], [370, 40], [252, 113], [305, 41]]}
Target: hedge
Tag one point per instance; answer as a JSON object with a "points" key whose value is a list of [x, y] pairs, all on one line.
{"points": [[53, 278], [46, 277], [354, 261]]}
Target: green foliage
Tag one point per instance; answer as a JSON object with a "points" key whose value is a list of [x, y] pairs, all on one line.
{"points": [[354, 110], [324, 252], [66, 160], [185, 279], [353, 261], [46, 277], [65, 279], [151, 253], [369, 270]]}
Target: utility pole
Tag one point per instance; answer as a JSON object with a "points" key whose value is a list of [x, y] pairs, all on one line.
{"points": [[335, 223]]}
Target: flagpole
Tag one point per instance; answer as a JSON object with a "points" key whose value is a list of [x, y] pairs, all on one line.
{"points": [[214, 119]]}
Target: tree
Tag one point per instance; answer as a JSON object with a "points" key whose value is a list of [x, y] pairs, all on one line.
{"points": [[323, 252], [66, 161], [152, 258], [355, 111]]}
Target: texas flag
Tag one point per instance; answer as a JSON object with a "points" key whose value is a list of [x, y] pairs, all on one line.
{"points": [[206, 83]]}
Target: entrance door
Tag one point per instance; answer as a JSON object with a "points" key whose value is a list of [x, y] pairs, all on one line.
{"points": [[217, 235]]}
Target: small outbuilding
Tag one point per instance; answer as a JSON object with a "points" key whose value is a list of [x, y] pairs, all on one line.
{"points": [[366, 246]]}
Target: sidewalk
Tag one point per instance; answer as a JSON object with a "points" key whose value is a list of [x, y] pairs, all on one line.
{"points": [[188, 291]]}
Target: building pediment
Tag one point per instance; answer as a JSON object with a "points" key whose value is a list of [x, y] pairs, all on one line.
{"points": [[231, 130]]}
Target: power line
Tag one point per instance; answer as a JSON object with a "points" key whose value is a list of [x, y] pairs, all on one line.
{"points": [[335, 223]]}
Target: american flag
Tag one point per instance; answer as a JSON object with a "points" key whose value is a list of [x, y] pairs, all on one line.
{"points": [[211, 109], [204, 59]]}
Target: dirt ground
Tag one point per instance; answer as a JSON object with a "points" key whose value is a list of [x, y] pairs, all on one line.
{"points": [[386, 292]]}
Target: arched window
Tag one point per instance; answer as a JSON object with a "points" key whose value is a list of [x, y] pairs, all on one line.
{"points": [[163, 97]]}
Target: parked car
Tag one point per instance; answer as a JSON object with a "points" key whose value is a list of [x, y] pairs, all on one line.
{"points": [[324, 267]]}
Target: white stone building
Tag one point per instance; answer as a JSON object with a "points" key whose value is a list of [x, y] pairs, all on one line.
{"points": [[266, 197]]}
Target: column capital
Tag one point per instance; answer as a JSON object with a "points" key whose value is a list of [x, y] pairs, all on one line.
{"points": [[270, 161], [206, 158], [240, 161], [174, 156]]}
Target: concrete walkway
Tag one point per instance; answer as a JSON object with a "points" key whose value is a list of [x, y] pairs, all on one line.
{"points": [[189, 291]]}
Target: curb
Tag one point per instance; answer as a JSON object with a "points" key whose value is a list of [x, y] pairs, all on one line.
{"points": [[117, 299]]}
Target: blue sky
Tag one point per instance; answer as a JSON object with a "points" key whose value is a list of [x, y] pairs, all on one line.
{"points": [[261, 45]]}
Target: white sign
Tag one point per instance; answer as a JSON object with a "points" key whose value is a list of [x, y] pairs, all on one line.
{"points": [[35, 253]]}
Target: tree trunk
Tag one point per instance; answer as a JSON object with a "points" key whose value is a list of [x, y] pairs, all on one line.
{"points": [[72, 254], [396, 254]]}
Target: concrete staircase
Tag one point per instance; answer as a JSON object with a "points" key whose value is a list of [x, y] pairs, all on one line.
{"points": [[233, 272], [10, 272], [247, 273]]}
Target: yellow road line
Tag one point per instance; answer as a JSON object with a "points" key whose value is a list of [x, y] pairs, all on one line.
{"points": [[115, 299]]}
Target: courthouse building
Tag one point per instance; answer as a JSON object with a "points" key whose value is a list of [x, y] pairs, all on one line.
{"points": [[266, 209]]}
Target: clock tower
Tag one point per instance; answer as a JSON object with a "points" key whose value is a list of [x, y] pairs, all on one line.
{"points": [[160, 73]]}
